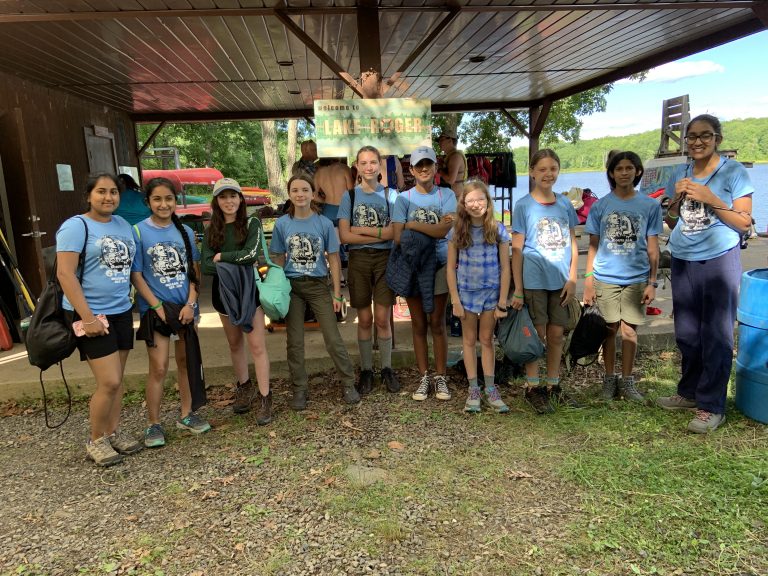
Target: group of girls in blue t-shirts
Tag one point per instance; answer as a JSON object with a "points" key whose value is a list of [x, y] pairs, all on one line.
{"points": [[426, 245]]}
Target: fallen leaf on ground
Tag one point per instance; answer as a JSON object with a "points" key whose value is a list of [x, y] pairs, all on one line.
{"points": [[239, 546], [227, 480], [224, 403], [131, 518], [210, 494], [330, 480], [311, 416], [395, 445], [279, 497], [272, 434], [348, 424], [518, 474], [314, 471], [373, 454]]}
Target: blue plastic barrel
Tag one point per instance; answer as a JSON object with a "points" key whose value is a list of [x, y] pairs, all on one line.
{"points": [[752, 358]]}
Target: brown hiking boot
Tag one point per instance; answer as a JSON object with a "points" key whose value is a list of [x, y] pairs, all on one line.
{"points": [[244, 396], [264, 413]]}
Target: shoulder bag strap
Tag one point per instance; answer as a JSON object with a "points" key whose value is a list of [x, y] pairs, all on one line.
{"points": [[264, 250], [81, 260]]}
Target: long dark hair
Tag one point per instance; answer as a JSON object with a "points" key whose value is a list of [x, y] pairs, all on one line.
{"points": [[214, 235], [314, 206], [614, 160], [155, 183]]}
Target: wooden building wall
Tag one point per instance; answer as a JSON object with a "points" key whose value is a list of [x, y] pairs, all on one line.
{"points": [[41, 127]]}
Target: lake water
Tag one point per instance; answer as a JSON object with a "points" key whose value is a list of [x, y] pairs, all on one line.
{"points": [[598, 183]]}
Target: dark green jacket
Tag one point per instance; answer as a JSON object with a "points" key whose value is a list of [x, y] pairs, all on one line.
{"points": [[231, 251]]}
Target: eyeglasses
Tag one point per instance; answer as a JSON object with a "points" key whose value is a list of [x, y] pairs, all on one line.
{"points": [[477, 202], [705, 137]]}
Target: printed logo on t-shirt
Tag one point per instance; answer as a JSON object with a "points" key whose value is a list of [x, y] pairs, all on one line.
{"points": [[425, 215], [552, 237], [303, 251], [116, 257], [696, 217], [621, 230], [168, 264], [373, 215]]}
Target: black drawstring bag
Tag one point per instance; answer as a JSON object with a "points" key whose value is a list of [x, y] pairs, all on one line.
{"points": [[50, 338], [588, 337]]}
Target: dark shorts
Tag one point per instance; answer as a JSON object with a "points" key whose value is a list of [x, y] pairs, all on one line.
{"points": [[367, 269], [120, 337], [218, 305], [544, 307], [159, 326]]}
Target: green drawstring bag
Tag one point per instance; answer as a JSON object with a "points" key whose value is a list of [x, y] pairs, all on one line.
{"points": [[275, 289], [518, 338]]}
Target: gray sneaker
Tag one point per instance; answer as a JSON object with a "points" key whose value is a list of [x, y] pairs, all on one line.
{"points": [[154, 436], [102, 453], [350, 395], [628, 390], [194, 423], [610, 387], [125, 443], [441, 387], [705, 422], [675, 402]]}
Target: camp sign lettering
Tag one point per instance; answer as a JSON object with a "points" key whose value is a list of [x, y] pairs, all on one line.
{"points": [[393, 125]]}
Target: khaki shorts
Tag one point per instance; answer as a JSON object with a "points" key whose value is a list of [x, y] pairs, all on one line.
{"points": [[441, 281], [544, 308], [621, 302], [365, 276]]}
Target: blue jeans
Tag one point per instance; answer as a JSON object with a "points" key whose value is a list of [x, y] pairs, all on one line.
{"points": [[705, 296]]}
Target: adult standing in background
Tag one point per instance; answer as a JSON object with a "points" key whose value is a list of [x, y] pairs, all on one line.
{"points": [[711, 208], [332, 179], [453, 171], [392, 176], [133, 206], [306, 164]]}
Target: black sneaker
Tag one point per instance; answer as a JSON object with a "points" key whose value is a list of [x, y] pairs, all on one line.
{"points": [[539, 399], [365, 384], [350, 395], [390, 380], [244, 395], [299, 400]]}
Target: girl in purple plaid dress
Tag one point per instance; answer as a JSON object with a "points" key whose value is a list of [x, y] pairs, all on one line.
{"points": [[478, 280]]}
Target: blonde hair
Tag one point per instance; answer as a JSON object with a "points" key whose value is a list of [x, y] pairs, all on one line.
{"points": [[461, 233]]}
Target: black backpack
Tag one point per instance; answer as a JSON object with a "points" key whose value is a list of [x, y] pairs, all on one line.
{"points": [[587, 338]]}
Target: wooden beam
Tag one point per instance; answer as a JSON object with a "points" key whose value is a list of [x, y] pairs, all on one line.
{"points": [[318, 51], [542, 113], [515, 122], [368, 37], [243, 12], [426, 43], [191, 117], [151, 139]]}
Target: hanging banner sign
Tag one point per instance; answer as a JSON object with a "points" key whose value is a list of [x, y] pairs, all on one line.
{"points": [[393, 125]]}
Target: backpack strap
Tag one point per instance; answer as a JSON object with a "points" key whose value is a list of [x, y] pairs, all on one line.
{"points": [[81, 259]]}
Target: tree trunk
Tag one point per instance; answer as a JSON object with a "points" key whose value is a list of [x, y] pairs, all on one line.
{"points": [[452, 122], [293, 127], [272, 160]]}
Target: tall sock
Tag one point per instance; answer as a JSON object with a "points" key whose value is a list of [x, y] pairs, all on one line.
{"points": [[366, 354], [553, 382], [489, 380], [472, 382], [385, 351], [532, 382]]}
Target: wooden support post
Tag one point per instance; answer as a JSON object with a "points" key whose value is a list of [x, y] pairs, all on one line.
{"points": [[149, 141], [537, 117]]}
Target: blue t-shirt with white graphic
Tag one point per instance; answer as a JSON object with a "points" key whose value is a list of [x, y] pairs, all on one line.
{"points": [[700, 234], [623, 227], [162, 259], [547, 247], [108, 258], [304, 241], [371, 209], [412, 206], [477, 267]]}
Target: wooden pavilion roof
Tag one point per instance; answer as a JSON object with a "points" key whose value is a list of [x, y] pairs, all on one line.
{"points": [[234, 59]]}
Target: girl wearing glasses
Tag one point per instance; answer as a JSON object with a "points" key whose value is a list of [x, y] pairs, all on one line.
{"points": [[711, 209], [544, 264], [478, 281]]}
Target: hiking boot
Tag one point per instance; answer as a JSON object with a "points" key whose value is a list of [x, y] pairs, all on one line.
{"points": [[124, 443], [441, 388], [610, 387], [472, 405], [539, 399], [493, 398], [350, 395], [705, 422], [299, 400], [628, 391], [390, 380], [563, 399], [102, 453], [194, 423], [264, 413], [244, 396], [154, 436], [365, 384], [675, 402], [422, 392]]}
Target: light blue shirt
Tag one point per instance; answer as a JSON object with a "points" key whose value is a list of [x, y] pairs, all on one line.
{"points": [[623, 227], [547, 247], [699, 234], [304, 241], [373, 209], [412, 206], [108, 258], [162, 260]]}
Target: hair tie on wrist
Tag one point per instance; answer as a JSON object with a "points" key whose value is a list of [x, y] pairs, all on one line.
{"points": [[518, 296], [671, 217], [156, 306], [339, 299], [588, 274], [379, 233]]}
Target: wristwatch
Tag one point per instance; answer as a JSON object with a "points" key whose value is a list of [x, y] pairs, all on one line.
{"points": [[192, 305], [654, 284]]}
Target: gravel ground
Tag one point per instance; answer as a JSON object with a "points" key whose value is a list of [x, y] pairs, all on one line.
{"points": [[244, 499]]}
